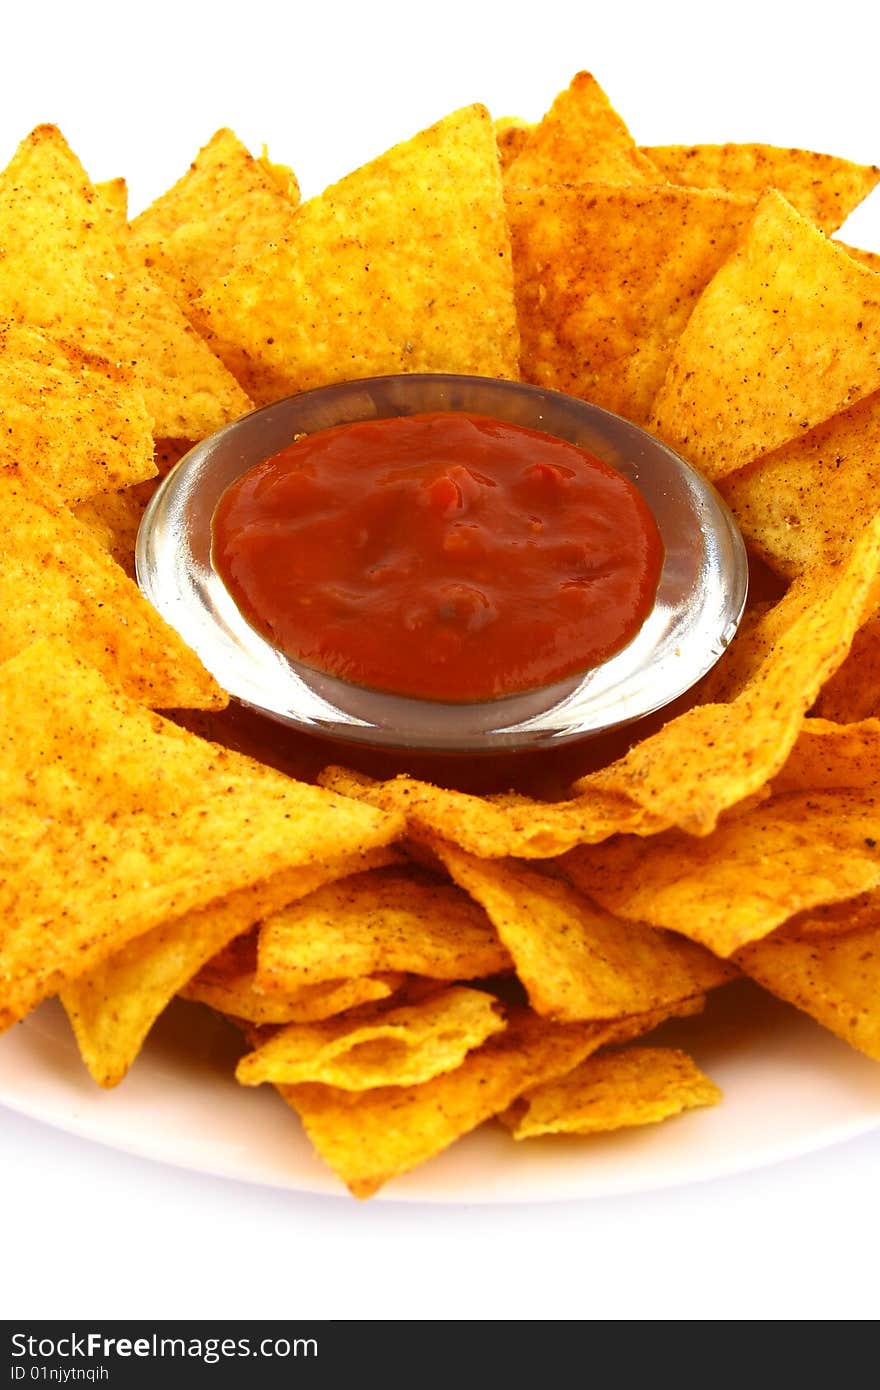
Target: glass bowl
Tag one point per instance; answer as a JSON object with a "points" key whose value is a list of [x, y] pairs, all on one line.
{"points": [[700, 597]]}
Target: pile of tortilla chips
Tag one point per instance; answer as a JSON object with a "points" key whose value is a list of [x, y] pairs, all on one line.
{"points": [[405, 961]]}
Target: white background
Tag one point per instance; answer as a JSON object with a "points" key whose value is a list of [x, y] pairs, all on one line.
{"points": [[87, 1232]]}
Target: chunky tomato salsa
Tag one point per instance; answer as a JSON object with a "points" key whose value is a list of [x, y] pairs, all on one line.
{"points": [[446, 556]]}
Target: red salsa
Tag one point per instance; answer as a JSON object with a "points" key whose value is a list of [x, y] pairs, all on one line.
{"points": [[447, 556]]}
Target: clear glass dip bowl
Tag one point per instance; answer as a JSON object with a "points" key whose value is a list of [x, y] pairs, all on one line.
{"points": [[700, 597]]}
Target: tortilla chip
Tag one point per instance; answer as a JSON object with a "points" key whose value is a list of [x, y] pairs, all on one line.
{"points": [[395, 1047], [853, 692], [511, 134], [613, 1090], [114, 519], [713, 756], [113, 819], [581, 140], [805, 503], [814, 841], [404, 266], [71, 419], [66, 267], [56, 581], [112, 1008], [869, 258], [784, 336], [372, 1136], [395, 919], [113, 194], [494, 829], [822, 187], [238, 998], [832, 976], [281, 174], [606, 279], [576, 962], [225, 210]]}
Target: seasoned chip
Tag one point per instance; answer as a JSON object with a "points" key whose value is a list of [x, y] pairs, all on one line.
{"points": [[799, 849], [833, 975], [113, 194], [237, 997], [392, 1047], [66, 267], [511, 826], [803, 504], [577, 962], [613, 1090], [393, 919], [822, 187], [225, 210], [57, 581], [72, 419], [606, 279], [581, 140], [784, 336], [404, 266], [511, 134], [853, 692], [113, 1007], [371, 1136], [116, 821], [713, 756], [114, 519]]}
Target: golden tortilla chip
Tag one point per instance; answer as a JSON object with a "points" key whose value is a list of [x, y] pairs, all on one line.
{"points": [[785, 335], [116, 821], [495, 829], [225, 210], [114, 519], [394, 919], [713, 756], [404, 266], [853, 692], [606, 279], [393, 1047], [581, 140], [281, 174], [800, 849], [832, 976], [822, 187], [238, 998], [57, 581], [71, 419], [372, 1136], [511, 134], [577, 962], [613, 1090], [804, 504], [869, 258], [113, 1007], [67, 267], [113, 194]]}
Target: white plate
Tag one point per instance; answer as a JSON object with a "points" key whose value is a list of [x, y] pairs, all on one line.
{"points": [[789, 1088]]}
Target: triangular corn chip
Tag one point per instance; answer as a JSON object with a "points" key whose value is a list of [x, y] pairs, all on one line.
{"points": [[511, 134], [785, 335], [404, 266], [225, 210], [581, 140], [853, 692], [112, 1008], [73, 420], [606, 278], [801, 505], [113, 194], [404, 1046], [371, 1136], [114, 519], [66, 267], [577, 962], [57, 581], [116, 821], [822, 187], [833, 975], [713, 756], [394, 919], [613, 1090]]}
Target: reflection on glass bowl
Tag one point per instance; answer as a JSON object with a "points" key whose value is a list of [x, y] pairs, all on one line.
{"points": [[699, 602]]}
